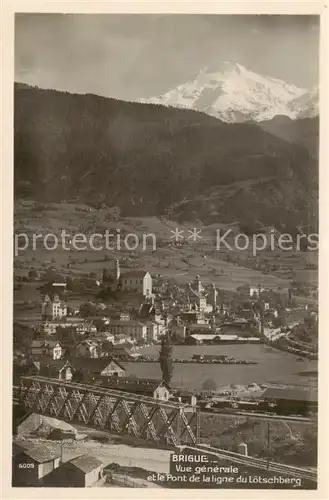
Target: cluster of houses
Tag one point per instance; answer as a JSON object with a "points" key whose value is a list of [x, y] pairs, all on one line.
{"points": [[105, 372], [97, 354], [41, 466], [197, 313]]}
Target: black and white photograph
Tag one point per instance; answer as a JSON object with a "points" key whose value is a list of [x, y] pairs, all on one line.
{"points": [[166, 240]]}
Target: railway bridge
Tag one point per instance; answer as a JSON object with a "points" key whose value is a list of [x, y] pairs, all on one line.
{"points": [[114, 411]]}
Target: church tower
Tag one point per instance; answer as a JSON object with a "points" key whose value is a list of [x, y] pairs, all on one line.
{"points": [[117, 270], [213, 296], [198, 284]]}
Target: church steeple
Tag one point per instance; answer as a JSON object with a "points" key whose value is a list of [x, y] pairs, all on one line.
{"points": [[117, 270], [198, 284], [213, 296]]}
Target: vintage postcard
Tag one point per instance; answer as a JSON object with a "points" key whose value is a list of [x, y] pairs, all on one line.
{"points": [[165, 325]]}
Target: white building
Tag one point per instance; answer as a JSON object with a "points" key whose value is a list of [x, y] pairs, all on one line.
{"points": [[255, 291], [137, 281], [81, 326], [132, 329], [41, 348], [198, 297], [52, 307]]}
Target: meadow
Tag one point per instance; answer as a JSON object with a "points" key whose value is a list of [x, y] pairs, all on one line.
{"points": [[228, 269]]}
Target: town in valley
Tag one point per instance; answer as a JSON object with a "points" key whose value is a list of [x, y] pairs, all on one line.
{"points": [[165, 271]]}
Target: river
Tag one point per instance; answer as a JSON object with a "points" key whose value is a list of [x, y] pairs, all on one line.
{"points": [[274, 367]]}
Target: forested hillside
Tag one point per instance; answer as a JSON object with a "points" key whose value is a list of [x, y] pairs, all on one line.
{"points": [[153, 160]]}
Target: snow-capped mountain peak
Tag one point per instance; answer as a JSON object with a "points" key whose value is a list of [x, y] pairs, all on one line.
{"points": [[233, 93], [306, 105]]}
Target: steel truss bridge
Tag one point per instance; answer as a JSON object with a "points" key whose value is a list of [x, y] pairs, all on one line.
{"points": [[113, 411]]}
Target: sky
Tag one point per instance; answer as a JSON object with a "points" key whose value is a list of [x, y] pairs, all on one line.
{"points": [[138, 56]]}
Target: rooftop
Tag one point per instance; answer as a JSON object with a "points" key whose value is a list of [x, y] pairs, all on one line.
{"points": [[203, 336], [86, 463], [138, 273], [235, 322], [146, 310], [88, 342], [125, 322], [226, 337], [56, 363], [291, 394], [94, 365], [44, 343], [41, 454], [133, 384]]}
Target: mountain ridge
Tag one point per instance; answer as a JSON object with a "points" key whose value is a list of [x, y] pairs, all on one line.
{"points": [[233, 93]]}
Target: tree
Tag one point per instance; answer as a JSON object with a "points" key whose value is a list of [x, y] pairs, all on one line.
{"points": [[107, 346], [279, 321], [68, 335], [32, 274], [23, 336], [51, 275], [99, 324], [141, 342], [165, 359], [209, 385], [86, 310]]}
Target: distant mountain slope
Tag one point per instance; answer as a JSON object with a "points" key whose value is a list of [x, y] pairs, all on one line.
{"points": [[153, 160], [233, 94], [306, 105], [304, 132]]}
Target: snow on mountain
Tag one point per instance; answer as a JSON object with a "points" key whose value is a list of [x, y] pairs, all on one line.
{"points": [[307, 105], [232, 93]]}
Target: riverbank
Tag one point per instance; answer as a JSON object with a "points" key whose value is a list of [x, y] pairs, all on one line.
{"points": [[282, 340], [145, 359]]}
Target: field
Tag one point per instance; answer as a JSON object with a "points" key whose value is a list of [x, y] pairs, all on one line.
{"points": [[227, 268]]}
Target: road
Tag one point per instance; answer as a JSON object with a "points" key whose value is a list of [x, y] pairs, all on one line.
{"points": [[152, 459], [259, 463], [264, 416]]}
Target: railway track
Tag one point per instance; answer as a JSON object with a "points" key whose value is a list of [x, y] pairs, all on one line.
{"points": [[263, 416], [259, 463], [231, 456]]}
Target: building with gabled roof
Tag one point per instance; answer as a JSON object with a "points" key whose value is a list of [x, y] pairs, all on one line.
{"points": [[154, 388], [135, 280], [89, 369], [87, 348], [84, 471], [53, 303], [60, 369], [139, 281], [132, 329], [42, 347], [31, 466], [291, 400]]}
